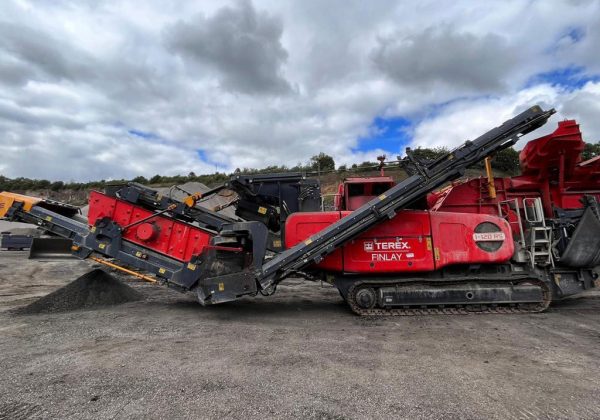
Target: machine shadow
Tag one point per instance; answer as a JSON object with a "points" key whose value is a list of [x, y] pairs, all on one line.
{"points": [[247, 307]]}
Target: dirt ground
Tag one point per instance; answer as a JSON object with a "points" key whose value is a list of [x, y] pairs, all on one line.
{"points": [[297, 354]]}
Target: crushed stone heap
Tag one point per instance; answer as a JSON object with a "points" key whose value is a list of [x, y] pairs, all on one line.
{"points": [[96, 288]]}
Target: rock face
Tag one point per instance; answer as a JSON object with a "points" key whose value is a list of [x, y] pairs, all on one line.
{"points": [[96, 288]]}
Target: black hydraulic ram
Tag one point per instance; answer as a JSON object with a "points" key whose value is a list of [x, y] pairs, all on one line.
{"points": [[425, 178]]}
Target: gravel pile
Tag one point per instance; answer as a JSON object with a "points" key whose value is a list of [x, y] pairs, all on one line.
{"points": [[95, 288]]}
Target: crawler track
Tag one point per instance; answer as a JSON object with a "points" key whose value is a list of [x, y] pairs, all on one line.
{"points": [[462, 309]]}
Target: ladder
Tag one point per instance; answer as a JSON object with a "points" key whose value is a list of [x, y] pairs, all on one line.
{"points": [[513, 204], [540, 235]]}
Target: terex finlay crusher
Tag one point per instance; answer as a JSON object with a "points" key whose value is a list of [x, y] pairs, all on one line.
{"points": [[424, 245]]}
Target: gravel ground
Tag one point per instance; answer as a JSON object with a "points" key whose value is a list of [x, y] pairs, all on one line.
{"points": [[297, 354], [10, 226], [93, 289]]}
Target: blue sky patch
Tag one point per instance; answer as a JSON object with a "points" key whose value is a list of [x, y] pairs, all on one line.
{"points": [[202, 155], [392, 134], [435, 109], [576, 34], [143, 134], [566, 39], [571, 78], [205, 159]]}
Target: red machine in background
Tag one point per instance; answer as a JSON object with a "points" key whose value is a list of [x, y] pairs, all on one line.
{"points": [[355, 192]]}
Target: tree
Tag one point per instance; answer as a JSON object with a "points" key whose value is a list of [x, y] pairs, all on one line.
{"points": [[426, 154], [507, 160], [590, 150], [140, 180], [366, 166], [57, 186], [156, 179], [322, 162], [43, 184]]}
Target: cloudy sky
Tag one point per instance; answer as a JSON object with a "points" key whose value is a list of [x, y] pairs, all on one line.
{"points": [[93, 89]]}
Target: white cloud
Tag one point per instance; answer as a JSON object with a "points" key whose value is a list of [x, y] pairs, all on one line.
{"points": [[244, 46], [467, 119], [264, 82], [444, 56]]}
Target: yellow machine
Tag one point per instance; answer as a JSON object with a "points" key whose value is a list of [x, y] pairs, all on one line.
{"points": [[7, 199], [44, 246]]}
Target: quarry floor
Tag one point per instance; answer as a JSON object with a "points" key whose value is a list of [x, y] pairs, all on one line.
{"points": [[298, 354]]}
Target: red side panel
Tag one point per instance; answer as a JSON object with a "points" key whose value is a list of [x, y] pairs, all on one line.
{"points": [[300, 226], [167, 236], [400, 244], [410, 242], [354, 203], [458, 239]]}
